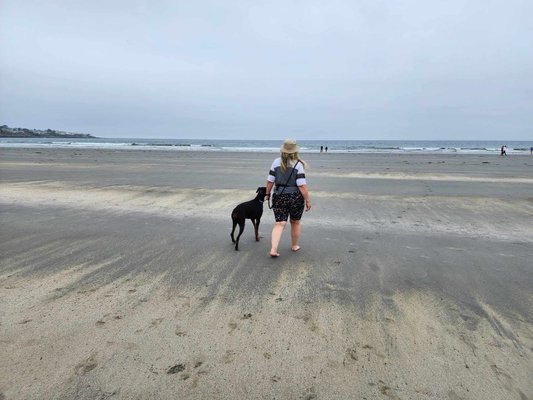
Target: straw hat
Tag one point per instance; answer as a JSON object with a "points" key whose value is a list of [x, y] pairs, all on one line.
{"points": [[289, 146]]}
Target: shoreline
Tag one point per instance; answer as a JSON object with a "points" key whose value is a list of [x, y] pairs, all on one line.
{"points": [[353, 147], [196, 150]]}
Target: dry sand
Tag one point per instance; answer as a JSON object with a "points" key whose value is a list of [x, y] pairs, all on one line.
{"points": [[118, 279]]}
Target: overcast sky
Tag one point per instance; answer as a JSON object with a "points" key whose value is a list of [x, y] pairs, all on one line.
{"points": [[360, 69]]}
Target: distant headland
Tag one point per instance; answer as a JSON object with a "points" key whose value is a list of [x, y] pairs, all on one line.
{"points": [[6, 131]]}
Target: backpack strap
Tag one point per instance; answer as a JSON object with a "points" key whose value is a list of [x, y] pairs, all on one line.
{"points": [[284, 186]]}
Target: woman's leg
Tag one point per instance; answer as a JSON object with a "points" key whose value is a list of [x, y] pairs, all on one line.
{"points": [[295, 234], [276, 237]]}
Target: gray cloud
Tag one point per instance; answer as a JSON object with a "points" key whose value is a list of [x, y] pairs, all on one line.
{"points": [[342, 69]]}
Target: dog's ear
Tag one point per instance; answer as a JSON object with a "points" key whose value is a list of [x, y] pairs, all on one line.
{"points": [[258, 189]]}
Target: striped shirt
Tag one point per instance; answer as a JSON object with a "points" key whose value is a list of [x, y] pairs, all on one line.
{"points": [[280, 178]]}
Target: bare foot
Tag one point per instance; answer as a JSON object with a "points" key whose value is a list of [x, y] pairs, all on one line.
{"points": [[295, 248], [274, 254]]}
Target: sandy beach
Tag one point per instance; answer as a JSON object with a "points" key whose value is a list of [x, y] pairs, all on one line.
{"points": [[118, 278]]}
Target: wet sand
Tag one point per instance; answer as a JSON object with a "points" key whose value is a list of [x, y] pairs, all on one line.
{"points": [[118, 278]]}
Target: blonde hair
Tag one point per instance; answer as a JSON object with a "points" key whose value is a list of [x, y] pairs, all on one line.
{"points": [[286, 158]]}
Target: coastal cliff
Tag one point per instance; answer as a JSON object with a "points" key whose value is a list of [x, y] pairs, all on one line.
{"points": [[6, 131]]}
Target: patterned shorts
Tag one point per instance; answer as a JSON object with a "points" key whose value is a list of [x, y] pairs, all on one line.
{"points": [[288, 204]]}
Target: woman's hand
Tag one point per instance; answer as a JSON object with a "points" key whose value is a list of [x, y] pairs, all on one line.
{"points": [[307, 205]]}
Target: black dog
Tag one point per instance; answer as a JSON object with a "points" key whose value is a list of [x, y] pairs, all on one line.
{"points": [[253, 210]]}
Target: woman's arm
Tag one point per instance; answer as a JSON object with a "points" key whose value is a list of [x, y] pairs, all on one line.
{"points": [[269, 189], [305, 194]]}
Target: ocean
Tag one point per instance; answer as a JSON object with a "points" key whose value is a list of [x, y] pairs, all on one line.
{"points": [[272, 146]]}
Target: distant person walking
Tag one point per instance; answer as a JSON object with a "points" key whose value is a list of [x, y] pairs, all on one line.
{"points": [[503, 150], [322, 148], [291, 196], [326, 149]]}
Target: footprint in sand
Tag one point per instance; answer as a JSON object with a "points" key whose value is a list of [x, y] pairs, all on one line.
{"points": [[373, 350], [86, 366], [309, 322], [232, 326], [228, 357], [310, 394], [387, 391], [180, 332], [351, 353], [453, 396], [176, 369]]}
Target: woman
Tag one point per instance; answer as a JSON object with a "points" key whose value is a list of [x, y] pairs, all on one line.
{"points": [[290, 193]]}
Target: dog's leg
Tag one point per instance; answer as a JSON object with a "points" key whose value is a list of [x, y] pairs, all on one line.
{"points": [[233, 230], [256, 226], [241, 228]]}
